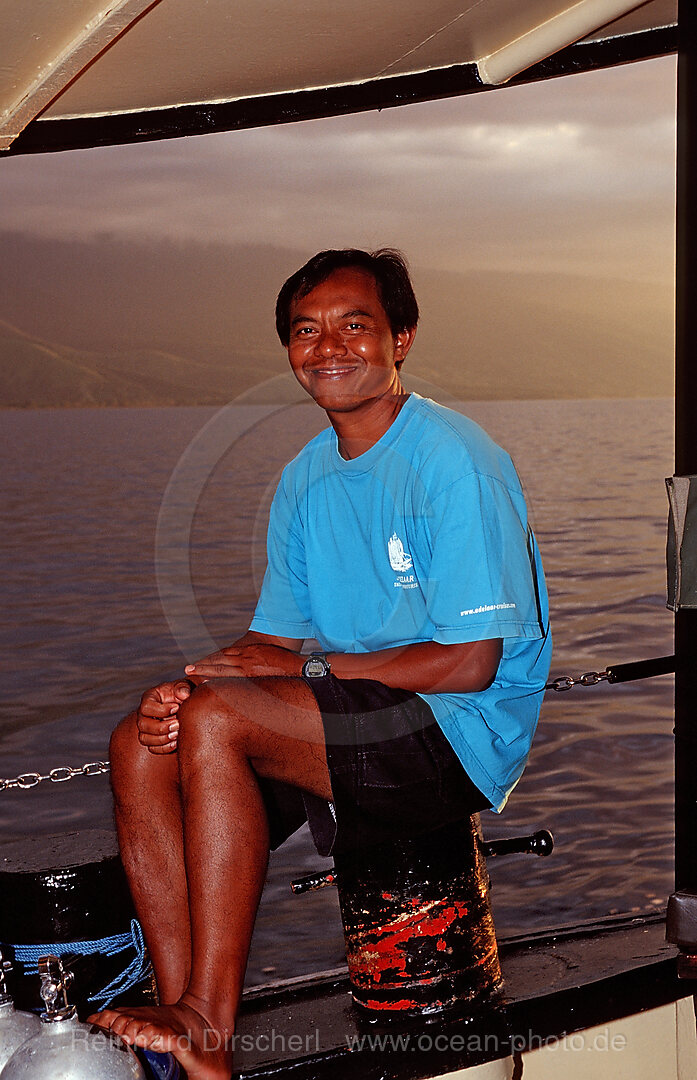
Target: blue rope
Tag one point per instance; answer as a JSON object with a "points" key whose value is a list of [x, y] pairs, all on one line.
{"points": [[138, 969]]}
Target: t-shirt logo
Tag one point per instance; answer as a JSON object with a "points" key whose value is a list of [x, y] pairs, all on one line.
{"points": [[399, 558]]}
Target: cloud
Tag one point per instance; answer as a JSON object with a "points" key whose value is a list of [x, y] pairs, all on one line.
{"points": [[577, 171]]}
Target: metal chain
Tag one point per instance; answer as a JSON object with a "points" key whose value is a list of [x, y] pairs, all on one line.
{"points": [[57, 776], [95, 768], [566, 682]]}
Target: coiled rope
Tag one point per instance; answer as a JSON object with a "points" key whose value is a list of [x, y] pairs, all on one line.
{"points": [[137, 970]]}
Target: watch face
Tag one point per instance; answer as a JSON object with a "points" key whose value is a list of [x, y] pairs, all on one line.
{"points": [[315, 667]]}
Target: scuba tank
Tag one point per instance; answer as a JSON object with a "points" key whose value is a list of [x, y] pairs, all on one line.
{"points": [[15, 1027], [64, 1048]]}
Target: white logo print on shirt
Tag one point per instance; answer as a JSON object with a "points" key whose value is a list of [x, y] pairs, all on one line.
{"points": [[399, 558]]}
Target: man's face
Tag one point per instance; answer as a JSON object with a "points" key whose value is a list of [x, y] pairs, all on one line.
{"points": [[342, 349]]}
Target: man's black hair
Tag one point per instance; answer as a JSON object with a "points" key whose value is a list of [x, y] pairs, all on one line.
{"points": [[386, 265]]}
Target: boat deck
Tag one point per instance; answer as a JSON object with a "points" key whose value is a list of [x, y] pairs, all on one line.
{"points": [[556, 983]]}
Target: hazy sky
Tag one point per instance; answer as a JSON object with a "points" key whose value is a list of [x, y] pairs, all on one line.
{"points": [[573, 174], [538, 221]]}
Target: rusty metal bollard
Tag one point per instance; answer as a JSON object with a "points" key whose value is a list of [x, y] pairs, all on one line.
{"points": [[418, 927]]}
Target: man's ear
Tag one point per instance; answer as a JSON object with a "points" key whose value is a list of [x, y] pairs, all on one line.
{"points": [[402, 344]]}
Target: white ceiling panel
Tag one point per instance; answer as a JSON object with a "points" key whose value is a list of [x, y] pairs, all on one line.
{"points": [[86, 58]]}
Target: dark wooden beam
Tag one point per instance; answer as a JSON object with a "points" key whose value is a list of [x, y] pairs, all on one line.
{"points": [[42, 136], [686, 444]]}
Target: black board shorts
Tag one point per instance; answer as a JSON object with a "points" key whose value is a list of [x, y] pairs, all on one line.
{"points": [[393, 773]]}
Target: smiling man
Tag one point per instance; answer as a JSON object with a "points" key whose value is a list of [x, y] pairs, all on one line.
{"points": [[399, 540]]}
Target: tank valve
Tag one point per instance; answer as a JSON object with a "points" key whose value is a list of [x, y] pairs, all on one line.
{"points": [[5, 966], [15, 1027], [64, 1047], [55, 981]]}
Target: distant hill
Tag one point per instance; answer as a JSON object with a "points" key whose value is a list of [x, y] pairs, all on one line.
{"points": [[114, 323], [35, 374], [545, 336]]}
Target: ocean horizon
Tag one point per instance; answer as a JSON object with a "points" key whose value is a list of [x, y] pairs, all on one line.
{"points": [[100, 602]]}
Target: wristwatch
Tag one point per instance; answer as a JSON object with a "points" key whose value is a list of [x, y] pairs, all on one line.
{"points": [[316, 665]]}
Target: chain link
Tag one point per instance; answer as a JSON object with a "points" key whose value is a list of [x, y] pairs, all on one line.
{"points": [[567, 682], [57, 776], [95, 768]]}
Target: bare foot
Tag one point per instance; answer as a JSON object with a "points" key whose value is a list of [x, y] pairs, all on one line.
{"points": [[203, 1049]]}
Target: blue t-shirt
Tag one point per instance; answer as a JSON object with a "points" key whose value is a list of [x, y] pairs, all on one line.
{"points": [[422, 538]]}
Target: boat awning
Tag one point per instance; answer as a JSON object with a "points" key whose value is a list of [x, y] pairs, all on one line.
{"points": [[86, 72]]}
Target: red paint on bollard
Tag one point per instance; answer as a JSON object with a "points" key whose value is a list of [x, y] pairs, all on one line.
{"points": [[417, 922]]}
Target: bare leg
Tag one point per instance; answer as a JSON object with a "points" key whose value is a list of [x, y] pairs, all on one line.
{"points": [[230, 730], [147, 805]]}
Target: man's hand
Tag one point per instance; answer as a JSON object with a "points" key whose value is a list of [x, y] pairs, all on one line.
{"points": [[158, 727], [247, 661]]}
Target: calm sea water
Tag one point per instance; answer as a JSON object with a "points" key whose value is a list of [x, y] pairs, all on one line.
{"points": [[99, 605]]}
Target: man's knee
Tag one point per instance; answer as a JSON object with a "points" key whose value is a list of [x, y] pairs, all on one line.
{"points": [[201, 715], [247, 716], [224, 712], [126, 757], [124, 741]]}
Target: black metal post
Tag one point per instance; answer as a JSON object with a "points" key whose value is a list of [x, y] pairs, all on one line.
{"points": [[417, 921], [59, 890], [686, 443]]}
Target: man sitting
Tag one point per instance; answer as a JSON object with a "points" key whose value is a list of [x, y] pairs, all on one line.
{"points": [[399, 540]]}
